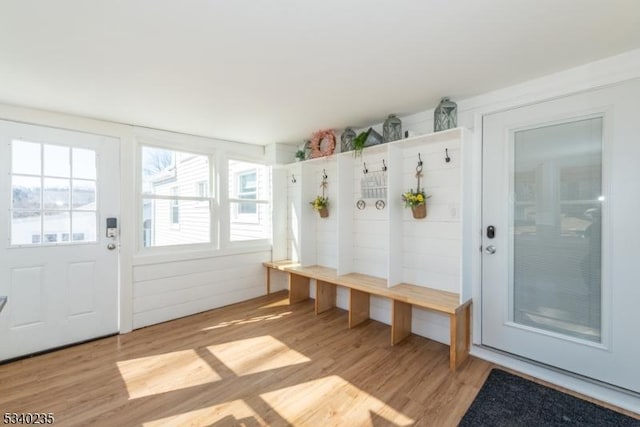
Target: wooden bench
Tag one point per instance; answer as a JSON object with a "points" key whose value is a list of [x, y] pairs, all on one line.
{"points": [[277, 265], [403, 296]]}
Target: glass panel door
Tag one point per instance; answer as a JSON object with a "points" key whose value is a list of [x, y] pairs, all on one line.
{"points": [[556, 222]]}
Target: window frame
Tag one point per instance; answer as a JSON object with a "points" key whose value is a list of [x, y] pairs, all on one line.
{"points": [[233, 181], [209, 200]]}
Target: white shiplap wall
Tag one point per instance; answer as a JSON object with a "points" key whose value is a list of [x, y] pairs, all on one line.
{"points": [[432, 246], [174, 289], [293, 211], [370, 225], [326, 228]]}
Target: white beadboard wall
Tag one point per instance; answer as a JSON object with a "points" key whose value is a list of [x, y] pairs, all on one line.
{"points": [[170, 290], [432, 246], [370, 225], [326, 229], [293, 208]]}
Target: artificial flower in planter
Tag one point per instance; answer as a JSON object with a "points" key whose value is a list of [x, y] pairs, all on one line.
{"points": [[417, 201], [321, 204]]}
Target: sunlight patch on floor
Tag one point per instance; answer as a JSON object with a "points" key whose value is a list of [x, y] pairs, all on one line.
{"points": [[331, 401], [234, 413], [280, 303], [248, 320], [161, 373], [259, 354]]}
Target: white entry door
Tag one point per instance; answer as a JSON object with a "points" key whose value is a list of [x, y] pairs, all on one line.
{"points": [[57, 267], [561, 189]]}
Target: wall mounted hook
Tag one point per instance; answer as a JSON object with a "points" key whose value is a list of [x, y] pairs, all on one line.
{"points": [[324, 174], [419, 167], [384, 166], [293, 179], [365, 170], [446, 155]]}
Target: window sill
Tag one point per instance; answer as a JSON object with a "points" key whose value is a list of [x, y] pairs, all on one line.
{"points": [[162, 256]]}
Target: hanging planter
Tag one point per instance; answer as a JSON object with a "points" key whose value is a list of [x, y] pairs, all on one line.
{"points": [[419, 211], [416, 200], [321, 203]]}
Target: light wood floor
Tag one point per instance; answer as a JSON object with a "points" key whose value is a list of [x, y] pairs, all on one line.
{"points": [[256, 363]]}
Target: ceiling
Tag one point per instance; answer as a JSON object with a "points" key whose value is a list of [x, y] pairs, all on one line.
{"points": [[277, 70]]}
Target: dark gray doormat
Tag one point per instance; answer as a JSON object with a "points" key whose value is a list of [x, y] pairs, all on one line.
{"points": [[509, 400]]}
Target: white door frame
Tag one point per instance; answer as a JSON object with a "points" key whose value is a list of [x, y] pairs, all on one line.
{"points": [[124, 133], [610, 71]]}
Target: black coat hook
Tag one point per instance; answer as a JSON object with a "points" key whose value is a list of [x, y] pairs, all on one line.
{"points": [[384, 166], [293, 179], [324, 174], [419, 167], [446, 155], [365, 170]]}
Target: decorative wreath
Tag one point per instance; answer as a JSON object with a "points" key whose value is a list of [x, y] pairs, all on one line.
{"points": [[323, 143]]}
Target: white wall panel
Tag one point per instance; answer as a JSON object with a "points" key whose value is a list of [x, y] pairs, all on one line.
{"points": [[174, 289]]}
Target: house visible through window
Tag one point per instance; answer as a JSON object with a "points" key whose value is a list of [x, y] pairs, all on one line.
{"points": [[247, 190], [175, 197], [175, 208], [249, 194]]}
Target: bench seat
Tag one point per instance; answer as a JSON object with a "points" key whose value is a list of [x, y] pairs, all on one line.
{"points": [[403, 297]]}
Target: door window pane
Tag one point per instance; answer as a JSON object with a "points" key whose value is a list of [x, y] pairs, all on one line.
{"points": [[84, 226], [25, 227], [56, 161], [56, 193], [25, 192], [84, 195], [26, 158], [54, 225], [557, 227], [84, 163]]}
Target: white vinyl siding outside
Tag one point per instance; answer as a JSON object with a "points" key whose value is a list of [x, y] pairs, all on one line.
{"points": [[175, 210], [249, 195]]}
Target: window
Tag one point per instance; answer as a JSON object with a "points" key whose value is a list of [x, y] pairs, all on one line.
{"points": [[249, 193], [175, 208], [247, 190], [203, 189], [175, 200], [53, 194]]}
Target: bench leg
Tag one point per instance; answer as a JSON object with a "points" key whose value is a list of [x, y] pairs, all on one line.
{"points": [[298, 288], [460, 328], [325, 296], [358, 307], [400, 321], [268, 280]]}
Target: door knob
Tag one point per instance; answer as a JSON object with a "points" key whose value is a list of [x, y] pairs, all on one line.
{"points": [[111, 246], [490, 249]]}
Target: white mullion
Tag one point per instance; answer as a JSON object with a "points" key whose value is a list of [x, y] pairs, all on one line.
{"points": [[188, 198], [248, 201]]}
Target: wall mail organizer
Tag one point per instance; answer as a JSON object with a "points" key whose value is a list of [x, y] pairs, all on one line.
{"points": [[373, 185]]}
